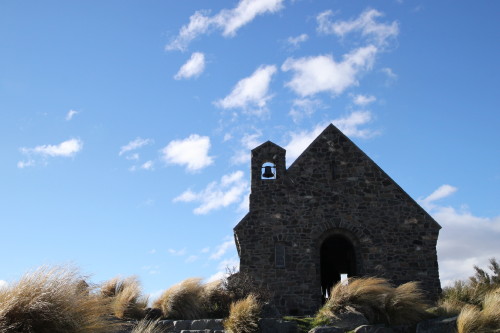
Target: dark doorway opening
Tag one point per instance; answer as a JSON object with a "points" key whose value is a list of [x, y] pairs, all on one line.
{"points": [[337, 258]]}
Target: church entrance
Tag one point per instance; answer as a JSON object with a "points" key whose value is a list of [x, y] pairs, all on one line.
{"points": [[337, 258]]}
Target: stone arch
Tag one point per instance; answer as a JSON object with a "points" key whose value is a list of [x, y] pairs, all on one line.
{"points": [[339, 253]]}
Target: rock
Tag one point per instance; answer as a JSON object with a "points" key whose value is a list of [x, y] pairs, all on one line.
{"points": [[438, 325], [268, 325], [373, 329], [181, 325], [327, 329], [211, 324], [349, 320]]}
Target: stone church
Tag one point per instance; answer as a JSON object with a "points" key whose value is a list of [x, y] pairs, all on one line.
{"points": [[333, 212]]}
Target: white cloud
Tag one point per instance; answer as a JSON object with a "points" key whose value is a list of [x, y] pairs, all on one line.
{"points": [[225, 266], [191, 152], [349, 125], [71, 114], [465, 239], [304, 107], [248, 142], [442, 192], [3, 284], [363, 100], [205, 250], [322, 73], [250, 93], [177, 252], [147, 165], [193, 67], [222, 249], [391, 76], [294, 42], [217, 195], [25, 164], [227, 20], [66, 148], [300, 141], [191, 258], [365, 24], [133, 145]]}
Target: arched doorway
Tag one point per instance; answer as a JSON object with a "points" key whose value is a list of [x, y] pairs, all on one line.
{"points": [[337, 257]]}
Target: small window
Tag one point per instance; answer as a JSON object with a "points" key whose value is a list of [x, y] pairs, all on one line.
{"points": [[279, 254], [268, 171]]}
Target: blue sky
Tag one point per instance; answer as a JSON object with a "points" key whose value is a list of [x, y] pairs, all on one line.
{"points": [[126, 125]]}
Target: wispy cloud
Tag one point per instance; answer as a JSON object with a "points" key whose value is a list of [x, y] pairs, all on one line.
{"points": [[217, 195], [3, 284], [294, 42], [251, 93], [133, 145], [68, 148], [222, 249], [312, 75], [71, 114], [350, 125], [365, 24], [191, 152], [363, 100], [148, 165], [192, 68], [303, 108], [227, 20], [248, 141], [178, 253], [442, 192]]}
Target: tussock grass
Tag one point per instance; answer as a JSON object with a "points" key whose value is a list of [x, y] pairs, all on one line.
{"points": [[147, 326], [485, 319], [52, 300], [406, 304], [215, 299], [243, 316], [366, 295], [126, 297], [182, 301], [377, 300]]}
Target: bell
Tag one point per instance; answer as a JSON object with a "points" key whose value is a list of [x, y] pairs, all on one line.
{"points": [[268, 172]]}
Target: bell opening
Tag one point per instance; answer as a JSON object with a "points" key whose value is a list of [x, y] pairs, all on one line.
{"points": [[268, 171]]}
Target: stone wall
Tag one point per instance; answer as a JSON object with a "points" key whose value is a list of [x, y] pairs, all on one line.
{"points": [[333, 188]]}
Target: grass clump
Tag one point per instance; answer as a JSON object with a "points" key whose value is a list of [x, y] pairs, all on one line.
{"points": [[481, 319], [182, 301], [52, 300], [473, 291], [127, 301], [243, 316], [147, 326], [377, 300]]}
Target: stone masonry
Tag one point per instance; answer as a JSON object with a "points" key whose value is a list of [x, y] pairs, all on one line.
{"points": [[332, 212]]}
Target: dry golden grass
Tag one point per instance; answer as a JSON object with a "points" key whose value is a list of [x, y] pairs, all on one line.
{"points": [[52, 300], [366, 295], [126, 297], [147, 326], [377, 300], [473, 319], [215, 299], [182, 301], [406, 305], [243, 316]]}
